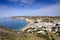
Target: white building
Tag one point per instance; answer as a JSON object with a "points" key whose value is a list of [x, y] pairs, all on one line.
{"points": [[41, 32], [44, 25]]}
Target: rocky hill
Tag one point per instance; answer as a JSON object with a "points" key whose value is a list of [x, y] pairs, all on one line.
{"points": [[8, 34]]}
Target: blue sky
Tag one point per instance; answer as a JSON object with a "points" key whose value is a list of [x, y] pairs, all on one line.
{"points": [[29, 8]]}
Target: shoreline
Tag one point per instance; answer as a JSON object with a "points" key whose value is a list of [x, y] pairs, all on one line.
{"points": [[29, 23]]}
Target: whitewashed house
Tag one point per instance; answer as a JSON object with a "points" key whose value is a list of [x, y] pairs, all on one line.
{"points": [[42, 32]]}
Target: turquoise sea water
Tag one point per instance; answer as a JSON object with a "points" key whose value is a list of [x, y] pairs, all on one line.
{"points": [[15, 24]]}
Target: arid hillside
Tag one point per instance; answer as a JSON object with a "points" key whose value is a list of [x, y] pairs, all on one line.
{"points": [[7, 34]]}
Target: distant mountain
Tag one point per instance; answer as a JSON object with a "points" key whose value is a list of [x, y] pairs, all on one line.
{"points": [[36, 17]]}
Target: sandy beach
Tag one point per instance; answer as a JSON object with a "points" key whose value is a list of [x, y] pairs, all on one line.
{"points": [[28, 26]]}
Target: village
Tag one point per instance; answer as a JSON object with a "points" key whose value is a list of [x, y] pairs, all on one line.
{"points": [[40, 26]]}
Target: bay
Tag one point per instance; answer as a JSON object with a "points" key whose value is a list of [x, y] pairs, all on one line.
{"points": [[14, 24]]}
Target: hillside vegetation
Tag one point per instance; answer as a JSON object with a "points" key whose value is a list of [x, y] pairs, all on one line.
{"points": [[11, 35]]}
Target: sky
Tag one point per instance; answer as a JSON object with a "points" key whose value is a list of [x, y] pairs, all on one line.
{"points": [[29, 8]]}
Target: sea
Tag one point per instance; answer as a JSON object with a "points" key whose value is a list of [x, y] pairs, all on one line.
{"points": [[14, 24]]}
